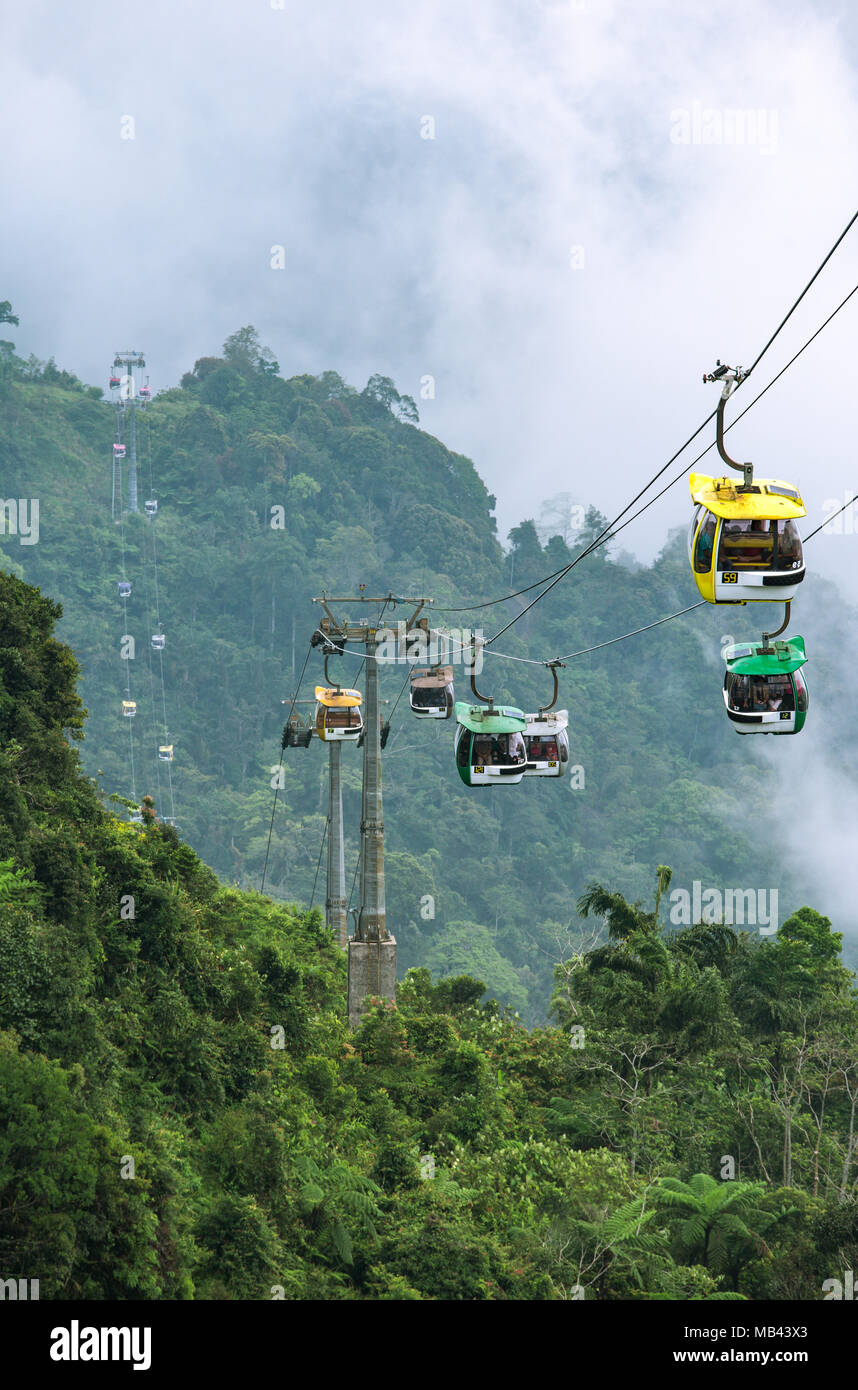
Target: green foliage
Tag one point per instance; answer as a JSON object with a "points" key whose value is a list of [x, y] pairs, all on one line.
{"points": [[359, 495], [684, 1129]]}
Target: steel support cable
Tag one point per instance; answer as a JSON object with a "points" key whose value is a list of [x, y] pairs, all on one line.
{"points": [[805, 539], [604, 534], [584, 651], [279, 766], [154, 702], [319, 862], [702, 603], [813, 277], [160, 651], [125, 621], [399, 696], [354, 881], [149, 454], [612, 529]]}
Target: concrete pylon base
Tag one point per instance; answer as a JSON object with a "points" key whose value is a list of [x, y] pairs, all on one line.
{"points": [[372, 974]]}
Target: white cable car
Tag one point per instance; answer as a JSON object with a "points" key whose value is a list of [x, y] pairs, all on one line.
{"points": [[151, 507], [432, 692], [165, 752], [124, 588], [129, 708], [159, 641], [136, 818], [547, 743], [338, 715]]}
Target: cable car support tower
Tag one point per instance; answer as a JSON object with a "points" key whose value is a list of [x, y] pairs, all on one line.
{"points": [[372, 949]]}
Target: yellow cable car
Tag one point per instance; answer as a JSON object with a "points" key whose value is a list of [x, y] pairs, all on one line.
{"points": [[129, 708], [744, 545], [165, 752], [338, 715]]}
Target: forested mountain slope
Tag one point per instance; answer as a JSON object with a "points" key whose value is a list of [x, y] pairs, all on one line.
{"points": [[368, 498], [184, 1112]]}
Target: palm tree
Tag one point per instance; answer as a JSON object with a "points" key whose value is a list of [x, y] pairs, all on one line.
{"points": [[715, 1224], [621, 917]]}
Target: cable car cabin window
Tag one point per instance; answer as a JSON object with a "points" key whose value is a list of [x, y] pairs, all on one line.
{"points": [[759, 544], [693, 527], [705, 545], [745, 544], [779, 693], [462, 748], [342, 718], [506, 750], [427, 698], [800, 692], [757, 694], [738, 692], [541, 749], [787, 546]]}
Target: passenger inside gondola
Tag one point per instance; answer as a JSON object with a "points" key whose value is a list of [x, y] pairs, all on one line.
{"points": [[740, 693], [481, 752], [758, 544], [780, 693], [503, 750], [348, 718], [745, 544], [516, 752], [705, 543]]}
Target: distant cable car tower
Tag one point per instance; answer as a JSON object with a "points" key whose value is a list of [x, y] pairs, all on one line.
{"points": [[126, 403]]}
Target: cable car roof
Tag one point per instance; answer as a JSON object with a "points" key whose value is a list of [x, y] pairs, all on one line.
{"points": [[773, 501], [748, 659], [503, 719], [547, 723], [429, 678], [336, 698]]}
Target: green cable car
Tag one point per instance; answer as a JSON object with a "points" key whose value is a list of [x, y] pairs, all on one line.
{"points": [[764, 689], [490, 750]]}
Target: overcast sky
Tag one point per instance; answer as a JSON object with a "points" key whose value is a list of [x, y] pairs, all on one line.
{"points": [[565, 257]]}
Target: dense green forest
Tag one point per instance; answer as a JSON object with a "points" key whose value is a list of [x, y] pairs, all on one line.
{"points": [[185, 1114], [367, 497]]}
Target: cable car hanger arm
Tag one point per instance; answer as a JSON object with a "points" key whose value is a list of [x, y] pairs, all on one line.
{"points": [[553, 667], [731, 377], [767, 636]]}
